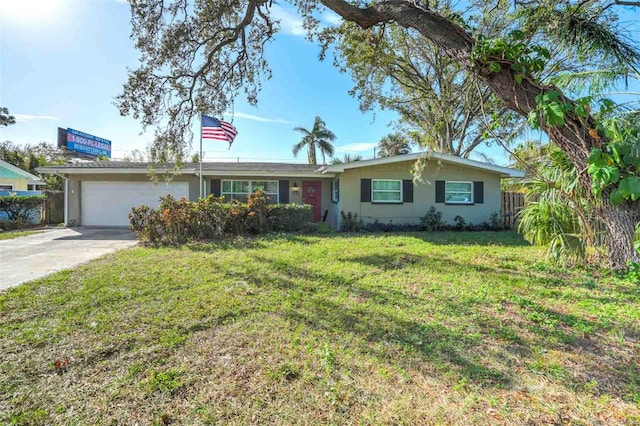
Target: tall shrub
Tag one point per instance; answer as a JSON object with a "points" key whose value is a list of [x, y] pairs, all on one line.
{"points": [[175, 222], [178, 220], [290, 217], [20, 208], [211, 216], [558, 213]]}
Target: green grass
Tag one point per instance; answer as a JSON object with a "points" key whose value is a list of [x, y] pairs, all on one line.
{"points": [[8, 235], [447, 328]]}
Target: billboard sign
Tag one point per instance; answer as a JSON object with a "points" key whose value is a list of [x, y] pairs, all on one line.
{"points": [[87, 144]]}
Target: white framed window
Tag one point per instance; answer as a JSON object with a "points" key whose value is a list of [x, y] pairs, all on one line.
{"points": [[335, 190], [386, 191], [456, 192], [240, 189], [6, 187]]}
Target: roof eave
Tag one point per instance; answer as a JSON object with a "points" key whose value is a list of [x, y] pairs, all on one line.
{"points": [[266, 174], [18, 170], [502, 171], [230, 173], [514, 174], [107, 170]]}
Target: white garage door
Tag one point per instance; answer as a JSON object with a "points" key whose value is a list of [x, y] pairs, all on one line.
{"points": [[109, 203]]}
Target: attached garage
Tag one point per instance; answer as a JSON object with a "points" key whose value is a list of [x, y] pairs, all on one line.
{"points": [[109, 203]]}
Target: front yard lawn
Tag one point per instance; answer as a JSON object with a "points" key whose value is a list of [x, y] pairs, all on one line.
{"points": [[9, 235], [462, 328]]}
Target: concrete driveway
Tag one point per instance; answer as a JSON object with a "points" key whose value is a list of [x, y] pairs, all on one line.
{"points": [[27, 258]]}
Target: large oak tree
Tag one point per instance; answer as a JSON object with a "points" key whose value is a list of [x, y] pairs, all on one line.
{"points": [[441, 105], [198, 56]]}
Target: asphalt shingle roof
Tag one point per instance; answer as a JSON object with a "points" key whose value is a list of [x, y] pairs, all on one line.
{"points": [[206, 166]]}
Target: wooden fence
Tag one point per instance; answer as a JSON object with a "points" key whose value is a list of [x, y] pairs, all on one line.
{"points": [[53, 207], [512, 203]]}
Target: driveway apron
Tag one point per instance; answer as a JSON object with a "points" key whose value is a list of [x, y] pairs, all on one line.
{"points": [[27, 258]]}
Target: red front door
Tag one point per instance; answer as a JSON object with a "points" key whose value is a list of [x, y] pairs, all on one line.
{"points": [[311, 195]]}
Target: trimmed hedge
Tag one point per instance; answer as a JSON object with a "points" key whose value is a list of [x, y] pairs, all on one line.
{"points": [[176, 222], [290, 217], [20, 208]]}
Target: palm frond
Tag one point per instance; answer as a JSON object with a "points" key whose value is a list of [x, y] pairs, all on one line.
{"points": [[567, 248], [297, 147], [301, 130], [593, 81], [327, 134], [326, 147], [318, 124], [350, 158], [590, 32]]}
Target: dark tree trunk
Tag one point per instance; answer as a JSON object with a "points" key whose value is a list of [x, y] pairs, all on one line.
{"points": [[620, 222], [575, 138]]}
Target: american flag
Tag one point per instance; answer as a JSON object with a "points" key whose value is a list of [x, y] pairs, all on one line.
{"points": [[212, 128]]}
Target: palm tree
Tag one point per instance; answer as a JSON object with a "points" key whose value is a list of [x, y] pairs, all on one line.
{"points": [[348, 158], [393, 144], [319, 137], [558, 213]]}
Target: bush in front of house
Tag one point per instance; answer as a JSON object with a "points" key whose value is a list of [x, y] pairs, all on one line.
{"points": [[290, 217], [211, 217], [432, 220], [459, 224], [377, 226], [350, 222], [19, 210], [176, 222], [145, 222]]}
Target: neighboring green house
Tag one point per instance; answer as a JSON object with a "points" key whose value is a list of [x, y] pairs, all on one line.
{"points": [[103, 193], [13, 179]]}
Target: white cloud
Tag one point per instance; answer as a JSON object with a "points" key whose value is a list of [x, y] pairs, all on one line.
{"points": [[356, 147], [290, 22], [258, 118], [331, 18], [25, 118]]}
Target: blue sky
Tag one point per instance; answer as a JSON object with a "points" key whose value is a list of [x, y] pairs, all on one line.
{"points": [[62, 62]]}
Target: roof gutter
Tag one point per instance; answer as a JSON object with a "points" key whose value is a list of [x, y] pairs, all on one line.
{"points": [[106, 170], [265, 174], [459, 161], [230, 173]]}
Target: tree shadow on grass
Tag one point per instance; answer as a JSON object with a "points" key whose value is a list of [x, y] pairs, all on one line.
{"points": [[481, 351], [235, 243], [468, 238], [540, 281], [248, 242], [389, 334], [381, 332], [481, 238], [401, 259]]}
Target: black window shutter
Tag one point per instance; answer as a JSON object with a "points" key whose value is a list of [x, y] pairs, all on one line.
{"points": [[283, 191], [215, 187], [365, 190], [439, 191], [407, 191], [478, 192]]}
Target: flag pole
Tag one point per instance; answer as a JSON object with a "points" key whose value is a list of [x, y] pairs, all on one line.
{"points": [[200, 158]]}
